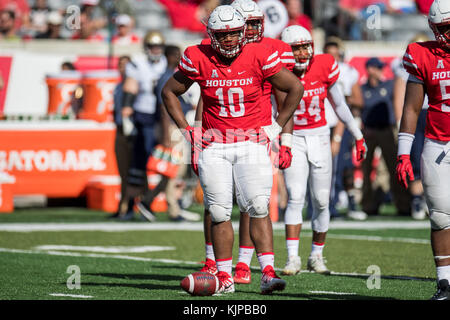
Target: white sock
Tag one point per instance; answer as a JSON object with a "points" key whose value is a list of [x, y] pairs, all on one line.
{"points": [[317, 248], [225, 265], [292, 246], [443, 273], [209, 251], [246, 254], [266, 259]]}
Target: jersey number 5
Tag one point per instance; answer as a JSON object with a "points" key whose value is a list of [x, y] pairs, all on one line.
{"points": [[445, 94], [231, 104]]}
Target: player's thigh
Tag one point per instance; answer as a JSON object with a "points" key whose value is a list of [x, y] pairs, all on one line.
{"points": [[253, 174], [296, 176], [321, 173], [435, 163], [216, 177]]}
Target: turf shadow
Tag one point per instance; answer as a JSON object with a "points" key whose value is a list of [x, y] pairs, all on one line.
{"points": [[134, 276], [144, 286], [322, 296]]}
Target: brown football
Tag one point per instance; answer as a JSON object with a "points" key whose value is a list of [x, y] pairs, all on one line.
{"points": [[200, 284]]}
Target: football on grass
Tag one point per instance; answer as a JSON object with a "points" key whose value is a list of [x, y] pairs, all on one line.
{"points": [[200, 284]]}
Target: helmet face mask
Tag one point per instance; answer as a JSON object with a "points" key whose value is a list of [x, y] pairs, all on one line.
{"points": [[256, 30], [226, 29], [439, 22]]}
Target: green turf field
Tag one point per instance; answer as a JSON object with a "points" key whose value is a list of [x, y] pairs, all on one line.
{"points": [[141, 260]]}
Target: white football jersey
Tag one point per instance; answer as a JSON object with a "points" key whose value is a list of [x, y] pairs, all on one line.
{"points": [[147, 75]]}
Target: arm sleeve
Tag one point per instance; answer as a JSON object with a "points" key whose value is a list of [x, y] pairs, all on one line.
{"points": [[188, 66], [343, 111]]}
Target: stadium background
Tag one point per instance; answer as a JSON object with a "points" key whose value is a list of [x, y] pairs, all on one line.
{"points": [[26, 62]]}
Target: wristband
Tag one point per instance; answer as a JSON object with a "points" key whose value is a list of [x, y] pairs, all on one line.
{"points": [[128, 99], [405, 141], [286, 140]]}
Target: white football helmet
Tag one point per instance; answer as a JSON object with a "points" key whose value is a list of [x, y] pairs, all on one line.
{"points": [[225, 19], [439, 17], [251, 12], [297, 35]]}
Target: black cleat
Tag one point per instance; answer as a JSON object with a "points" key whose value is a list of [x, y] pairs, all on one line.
{"points": [[443, 291]]}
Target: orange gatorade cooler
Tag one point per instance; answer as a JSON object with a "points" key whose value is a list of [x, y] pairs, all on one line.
{"points": [[98, 103], [61, 87], [6, 192]]}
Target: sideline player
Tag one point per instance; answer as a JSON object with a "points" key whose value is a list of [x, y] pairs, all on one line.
{"points": [[254, 18], [234, 146], [428, 64], [311, 163]]}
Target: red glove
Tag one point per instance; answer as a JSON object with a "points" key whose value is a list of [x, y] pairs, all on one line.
{"points": [[195, 137], [361, 149], [404, 168], [285, 157]]}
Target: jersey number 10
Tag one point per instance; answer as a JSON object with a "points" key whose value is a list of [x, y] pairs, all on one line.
{"points": [[231, 103]]}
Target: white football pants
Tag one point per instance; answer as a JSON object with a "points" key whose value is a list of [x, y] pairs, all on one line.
{"points": [[245, 164], [435, 175], [311, 167]]}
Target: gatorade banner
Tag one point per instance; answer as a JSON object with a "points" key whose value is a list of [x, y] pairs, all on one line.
{"points": [[56, 158]]}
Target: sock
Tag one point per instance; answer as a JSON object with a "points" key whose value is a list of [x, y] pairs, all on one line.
{"points": [[443, 273], [209, 251], [246, 254], [266, 259], [225, 265], [417, 202], [292, 246], [317, 248], [351, 202]]}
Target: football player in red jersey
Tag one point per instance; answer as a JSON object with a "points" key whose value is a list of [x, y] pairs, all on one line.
{"points": [[428, 64], [311, 162], [254, 18], [234, 143]]}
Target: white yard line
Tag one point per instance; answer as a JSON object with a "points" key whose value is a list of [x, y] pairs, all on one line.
{"points": [[109, 249], [195, 226], [70, 295]]}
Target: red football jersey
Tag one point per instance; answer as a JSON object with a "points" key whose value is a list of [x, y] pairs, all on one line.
{"points": [[231, 94], [322, 72], [428, 62], [287, 59]]}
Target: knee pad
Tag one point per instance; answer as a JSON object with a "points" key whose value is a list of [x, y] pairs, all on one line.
{"points": [[439, 220], [320, 220], [219, 213], [259, 207]]}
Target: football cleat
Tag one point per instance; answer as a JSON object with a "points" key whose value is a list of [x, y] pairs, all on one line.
{"points": [[293, 266], [226, 283], [210, 266], [443, 290], [270, 281], [145, 211], [242, 274], [316, 263], [357, 215]]}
